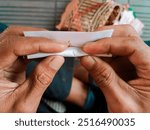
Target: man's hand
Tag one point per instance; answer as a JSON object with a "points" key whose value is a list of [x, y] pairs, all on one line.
{"points": [[124, 79], [18, 94]]}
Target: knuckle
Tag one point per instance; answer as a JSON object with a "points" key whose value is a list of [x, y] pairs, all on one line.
{"points": [[42, 75], [128, 41], [134, 39], [10, 39], [129, 30], [6, 41], [128, 27], [103, 76], [137, 42], [44, 79], [131, 42]]}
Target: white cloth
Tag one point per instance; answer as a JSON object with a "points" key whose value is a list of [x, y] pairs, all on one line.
{"points": [[76, 40]]}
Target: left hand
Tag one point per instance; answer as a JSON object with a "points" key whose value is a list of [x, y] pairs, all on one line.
{"points": [[18, 94]]}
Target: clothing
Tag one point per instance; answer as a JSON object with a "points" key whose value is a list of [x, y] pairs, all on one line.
{"points": [[61, 85], [2, 27], [148, 43]]}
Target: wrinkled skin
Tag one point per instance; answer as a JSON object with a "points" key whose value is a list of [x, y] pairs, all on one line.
{"points": [[18, 94], [125, 78]]}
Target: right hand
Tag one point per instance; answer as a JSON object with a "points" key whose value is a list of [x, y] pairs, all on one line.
{"points": [[124, 79]]}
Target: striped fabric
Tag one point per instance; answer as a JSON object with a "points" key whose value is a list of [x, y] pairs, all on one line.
{"points": [[46, 13], [88, 15]]}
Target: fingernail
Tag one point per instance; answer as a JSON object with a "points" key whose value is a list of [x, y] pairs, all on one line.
{"points": [[88, 62], [63, 43], [87, 47], [56, 62]]}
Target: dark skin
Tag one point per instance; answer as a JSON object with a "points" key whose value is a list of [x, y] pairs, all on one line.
{"points": [[127, 89], [18, 94], [125, 78]]}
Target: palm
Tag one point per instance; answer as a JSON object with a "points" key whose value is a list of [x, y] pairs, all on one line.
{"points": [[15, 72], [11, 77]]}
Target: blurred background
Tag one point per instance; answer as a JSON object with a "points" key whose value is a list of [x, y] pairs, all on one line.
{"points": [[46, 13], [142, 9]]}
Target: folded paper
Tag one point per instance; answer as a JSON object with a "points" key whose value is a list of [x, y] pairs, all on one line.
{"points": [[76, 40]]}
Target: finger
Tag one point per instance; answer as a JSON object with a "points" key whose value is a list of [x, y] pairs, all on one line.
{"points": [[81, 73], [28, 45], [102, 72], [18, 30], [114, 88], [31, 45], [120, 30], [40, 79], [132, 47], [12, 47]]}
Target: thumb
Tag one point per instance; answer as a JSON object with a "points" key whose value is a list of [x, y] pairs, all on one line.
{"points": [[119, 95], [40, 79], [44, 73], [102, 73], [105, 77]]}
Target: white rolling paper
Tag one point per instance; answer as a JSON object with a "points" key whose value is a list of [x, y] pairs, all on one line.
{"points": [[76, 40]]}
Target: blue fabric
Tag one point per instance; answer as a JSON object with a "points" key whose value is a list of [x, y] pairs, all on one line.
{"points": [[61, 85], [148, 43], [2, 27], [89, 102]]}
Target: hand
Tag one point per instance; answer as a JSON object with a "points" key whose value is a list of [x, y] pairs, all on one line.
{"points": [[124, 79], [18, 94]]}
